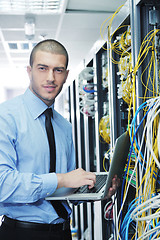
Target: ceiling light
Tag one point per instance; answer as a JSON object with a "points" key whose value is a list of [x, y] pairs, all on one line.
{"points": [[31, 6], [29, 27]]}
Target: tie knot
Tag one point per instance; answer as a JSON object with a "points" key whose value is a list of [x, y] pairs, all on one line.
{"points": [[48, 112]]}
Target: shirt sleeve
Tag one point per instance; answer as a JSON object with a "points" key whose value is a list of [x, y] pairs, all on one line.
{"points": [[19, 187], [71, 162]]}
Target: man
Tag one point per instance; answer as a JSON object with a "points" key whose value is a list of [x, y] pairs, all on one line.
{"points": [[25, 179]]}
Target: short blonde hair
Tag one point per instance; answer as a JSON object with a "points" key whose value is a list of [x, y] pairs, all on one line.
{"points": [[49, 45]]}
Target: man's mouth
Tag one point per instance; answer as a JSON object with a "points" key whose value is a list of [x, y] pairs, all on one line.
{"points": [[49, 87]]}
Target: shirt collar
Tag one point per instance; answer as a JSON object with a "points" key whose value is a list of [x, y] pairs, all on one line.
{"points": [[35, 105]]}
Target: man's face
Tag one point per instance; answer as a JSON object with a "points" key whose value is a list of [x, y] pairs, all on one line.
{"points": [[47, 75]]}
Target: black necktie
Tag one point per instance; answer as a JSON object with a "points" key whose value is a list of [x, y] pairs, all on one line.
{"points": [[58, 206]]}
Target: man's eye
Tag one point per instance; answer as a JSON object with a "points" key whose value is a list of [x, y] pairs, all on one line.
{"points": [[42, 68], [59, 70]]}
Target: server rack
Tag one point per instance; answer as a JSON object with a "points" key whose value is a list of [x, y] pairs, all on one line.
{"points": [[82, 127], [90, 150], [103, 113], [120, 103]]}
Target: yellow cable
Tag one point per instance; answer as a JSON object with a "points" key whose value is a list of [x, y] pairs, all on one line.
{"points": [[104, 128], [104, 159]]}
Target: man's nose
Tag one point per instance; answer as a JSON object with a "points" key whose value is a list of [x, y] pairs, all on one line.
{"points": [[50, 76]]}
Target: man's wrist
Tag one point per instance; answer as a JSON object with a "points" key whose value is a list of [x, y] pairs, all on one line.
{"points": [[60, 180], [49, 184]]}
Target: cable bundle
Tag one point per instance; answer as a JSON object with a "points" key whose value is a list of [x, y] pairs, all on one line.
{"points": [[145, 212], [147, 46], [104, 128], [121, 46], [87, 92], [125, 69], [105, 78]]}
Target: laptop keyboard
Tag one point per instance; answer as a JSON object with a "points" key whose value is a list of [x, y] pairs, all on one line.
{"points": [[100, 181]]}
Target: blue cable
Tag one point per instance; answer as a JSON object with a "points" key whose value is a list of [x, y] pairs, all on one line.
{"points": [[131, 149], [134, 120], [88, 90], [127, 220], [151, 227], [124, 228]]}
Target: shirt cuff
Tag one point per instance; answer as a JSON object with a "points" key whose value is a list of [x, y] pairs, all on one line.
{"points": [[49, 184]]}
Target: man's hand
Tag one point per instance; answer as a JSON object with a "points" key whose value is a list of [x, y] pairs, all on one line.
{"points": [[80, 177], [114, 187], [76, 178]]}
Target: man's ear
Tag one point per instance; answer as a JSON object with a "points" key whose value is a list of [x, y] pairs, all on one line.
{"points": [[29, 70], [67, 72]]}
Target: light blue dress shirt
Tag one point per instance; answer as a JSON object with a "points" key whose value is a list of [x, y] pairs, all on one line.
{"points": [[25, 180]]}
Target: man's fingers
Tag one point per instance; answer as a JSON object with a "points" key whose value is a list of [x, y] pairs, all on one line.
{"points": [[115, 184], [76, 178], [91, 180]]}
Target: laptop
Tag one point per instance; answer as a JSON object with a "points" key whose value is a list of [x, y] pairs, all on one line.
{"points": [[103, 179]]}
